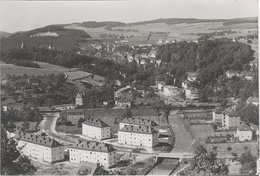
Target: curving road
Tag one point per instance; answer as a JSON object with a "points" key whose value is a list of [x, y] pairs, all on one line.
{"points": [[48, 123]]}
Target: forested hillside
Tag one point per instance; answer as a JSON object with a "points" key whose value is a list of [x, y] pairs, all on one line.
{"points": [[67, 39]]}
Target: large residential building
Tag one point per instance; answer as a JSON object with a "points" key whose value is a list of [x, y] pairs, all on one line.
{"points": [[40, 147], [138, 136], [231, 73], [169, 90], [73, 115], [253, 100], [138, 121], [94, 98], [96, 129], [93, 152], [230, 119], [244, 132]]}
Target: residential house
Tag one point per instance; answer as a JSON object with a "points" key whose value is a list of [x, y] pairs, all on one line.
{"points": [[40, 147], [130, 58], [170, 90], [123, 103], [244, 132], [253, 100], [158, 62], [79, 99], [96, 129], [254, 63], [142, 136], [248, 75], [152, 54], [230, 119], [144, 55], [192, 93], [136, 121], [192, 76], [185, 84], [93, 152], [217, 116], [231, 73]]}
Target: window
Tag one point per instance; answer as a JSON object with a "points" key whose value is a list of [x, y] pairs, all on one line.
{"points": [[105, 159]]}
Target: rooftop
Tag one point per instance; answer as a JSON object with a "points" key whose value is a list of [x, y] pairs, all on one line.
{"points": [[244, 127], [139, 121], [138, 129], [95, 122], [38, 139], [231, 112], [93, 146]]}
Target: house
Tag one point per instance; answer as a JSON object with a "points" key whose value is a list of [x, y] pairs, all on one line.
{"points": [[79, 99], [231, 73], [192, 76], [248, 75], [142, 61], [40, 147], [152, 54], [93, 152], [185, 84], [230, 119], [144, 55], [170, 90], [130, 58], [143, 136], [158, 62], [244, 132], [254, 63], [123, 103], [138, 121], [192, 93], [73, 115], [96, 129], [217, 116], [253, 100]]}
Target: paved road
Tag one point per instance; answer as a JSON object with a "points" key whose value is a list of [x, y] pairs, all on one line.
{"points": [[183, 139], [48, 123]]}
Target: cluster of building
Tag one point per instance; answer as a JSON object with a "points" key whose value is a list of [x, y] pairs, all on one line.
{"points": [[248, 75], [230, 120]]}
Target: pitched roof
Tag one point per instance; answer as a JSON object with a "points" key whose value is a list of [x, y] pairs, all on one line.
{"points": [[93, 146], [138, 129], [38, 139], [252, 99], [139, 121], [244, 127], [231, 112], [95, 122]]}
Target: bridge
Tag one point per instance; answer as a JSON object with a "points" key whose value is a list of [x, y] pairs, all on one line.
{"points": [[179, 156]]}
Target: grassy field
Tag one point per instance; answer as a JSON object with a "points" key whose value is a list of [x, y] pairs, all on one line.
{"points": [[10, 69]]}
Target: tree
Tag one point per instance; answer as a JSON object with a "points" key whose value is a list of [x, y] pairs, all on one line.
{"points": [[12, 163], [127, 112], [80, 121], [248, 168], [246, 157], [207, 162]]}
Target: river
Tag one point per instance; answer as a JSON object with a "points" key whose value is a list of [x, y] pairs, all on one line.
{"points": [[49, 121], [165, 167]]}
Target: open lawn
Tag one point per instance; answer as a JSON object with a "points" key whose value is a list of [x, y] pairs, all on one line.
{"points": [[201, 131], [68, 129]]}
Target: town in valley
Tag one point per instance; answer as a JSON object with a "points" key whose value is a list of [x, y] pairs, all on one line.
{"points": [[168, 96]]}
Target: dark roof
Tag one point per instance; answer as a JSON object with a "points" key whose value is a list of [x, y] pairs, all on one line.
{"points": [[93, 146], [231, 112], [244, 127], [75, 110], [138, 129], [95, 122], [139, 121], [118, 112], [38, 139]]}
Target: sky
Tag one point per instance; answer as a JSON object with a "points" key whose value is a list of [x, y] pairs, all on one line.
{"points": [[27, 15]]}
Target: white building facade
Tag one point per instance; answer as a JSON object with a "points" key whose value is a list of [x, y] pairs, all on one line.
{"points": [[93, 152], [244, 132], [230, 119], [138, 136], [96, 129], [40, 147]]}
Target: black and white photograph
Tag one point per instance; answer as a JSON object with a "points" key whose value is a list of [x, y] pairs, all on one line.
{"points": [[129, 87]]}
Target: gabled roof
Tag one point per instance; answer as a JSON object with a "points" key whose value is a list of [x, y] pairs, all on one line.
{"points": [[252, 99], [38, 139], [138, 129], [93, 146], [139, 121], [231, 112], [95, 122], [244, 127]]}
